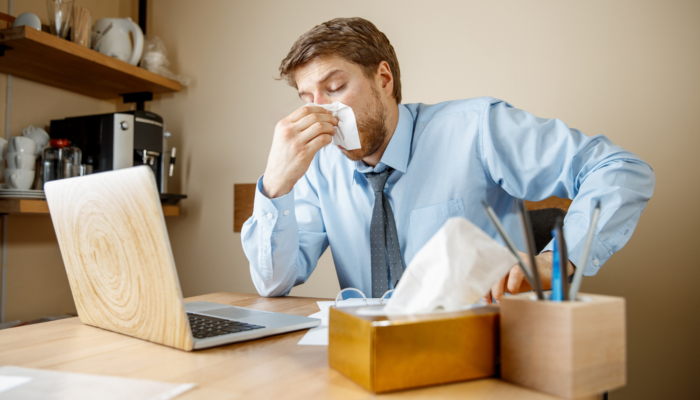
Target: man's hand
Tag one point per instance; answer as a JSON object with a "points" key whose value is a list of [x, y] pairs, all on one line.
{"points": [[297, 139], [514, 282]]}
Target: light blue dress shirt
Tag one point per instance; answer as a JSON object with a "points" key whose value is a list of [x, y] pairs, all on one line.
{"points": [[447, 158]]}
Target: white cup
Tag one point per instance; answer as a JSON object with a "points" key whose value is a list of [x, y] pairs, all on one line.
{"points": [[21, 161], [38, 135], [19, 178], [27, 19], [21, 144], [3, 147]]}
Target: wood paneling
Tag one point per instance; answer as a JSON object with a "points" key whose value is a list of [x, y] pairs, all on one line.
{"points": [[244, 196], [271, 368], [44, 58]]}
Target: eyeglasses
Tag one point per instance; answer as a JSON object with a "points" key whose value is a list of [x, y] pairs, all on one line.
{"points": [[364, 298]]}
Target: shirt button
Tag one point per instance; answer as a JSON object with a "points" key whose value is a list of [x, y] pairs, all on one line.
{"points": [[286, 212], [596, 262], [269, 215]]}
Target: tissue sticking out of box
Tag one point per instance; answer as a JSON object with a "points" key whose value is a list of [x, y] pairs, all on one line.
{"points": [[346, 133], [456, 268]]}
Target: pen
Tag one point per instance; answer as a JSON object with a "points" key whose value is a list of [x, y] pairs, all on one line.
{"points": [[563, 259], [502, 231], [529, 238], [556, 272], [578, 275]]}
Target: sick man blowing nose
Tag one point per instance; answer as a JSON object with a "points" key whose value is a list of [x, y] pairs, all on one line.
{"points": [[418, 165]]}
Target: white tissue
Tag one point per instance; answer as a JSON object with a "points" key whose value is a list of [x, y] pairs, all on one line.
{"points": [[456, 268], [346, 133]]}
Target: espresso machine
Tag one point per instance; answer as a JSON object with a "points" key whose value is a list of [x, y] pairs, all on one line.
{"points": [[118, 140]]}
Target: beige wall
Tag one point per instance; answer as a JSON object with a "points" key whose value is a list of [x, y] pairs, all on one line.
{"points": [[36, 280], [626, 69]]}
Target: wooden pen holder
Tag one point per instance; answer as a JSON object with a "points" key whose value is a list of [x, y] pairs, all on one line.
{"points": [[568, 349]]}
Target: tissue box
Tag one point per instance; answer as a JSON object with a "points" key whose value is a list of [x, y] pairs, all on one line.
{"points": [[568, 349], [384, 354]]}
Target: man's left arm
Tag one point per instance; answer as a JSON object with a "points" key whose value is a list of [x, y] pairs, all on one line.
{"points": [[534, 158]]}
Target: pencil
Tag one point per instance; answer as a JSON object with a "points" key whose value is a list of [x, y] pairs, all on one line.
{"points": [[530, 241], [578, 275], [509, 243]]}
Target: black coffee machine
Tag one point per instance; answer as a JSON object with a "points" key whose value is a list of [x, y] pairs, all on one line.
{"points": [[118, 140]]}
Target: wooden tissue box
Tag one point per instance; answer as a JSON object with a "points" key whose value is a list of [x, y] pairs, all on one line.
{"points": [[568, 349], [384, 354]]}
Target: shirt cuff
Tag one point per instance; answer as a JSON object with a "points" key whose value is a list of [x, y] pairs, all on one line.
{"points": [[575, 236], [278, 213]]}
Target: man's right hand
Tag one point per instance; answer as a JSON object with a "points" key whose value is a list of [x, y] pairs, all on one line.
{"points": [[295, 143]]}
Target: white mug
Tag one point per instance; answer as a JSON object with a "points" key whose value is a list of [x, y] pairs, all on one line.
{"points": [[3, 147], [38, 135], [20, 144], [27, 19], [19, 179], [21, 161]]}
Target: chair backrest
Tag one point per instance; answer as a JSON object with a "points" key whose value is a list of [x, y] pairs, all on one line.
{"points": [[543, 221], [244, 197]]}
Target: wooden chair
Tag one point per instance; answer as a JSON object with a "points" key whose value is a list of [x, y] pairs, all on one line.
{"points": [[543, 214]]}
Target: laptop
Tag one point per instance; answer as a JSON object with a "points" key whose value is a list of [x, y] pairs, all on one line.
{"points": [[120, 267]]}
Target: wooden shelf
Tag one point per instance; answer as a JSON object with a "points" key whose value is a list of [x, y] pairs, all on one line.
{"points": [[26, 206], [41, 57]]}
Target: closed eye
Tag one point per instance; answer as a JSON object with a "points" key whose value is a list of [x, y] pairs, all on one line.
{"points": [[337, 89]]}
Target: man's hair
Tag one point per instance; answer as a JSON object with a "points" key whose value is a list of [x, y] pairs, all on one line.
{"points": [[353, 39]]}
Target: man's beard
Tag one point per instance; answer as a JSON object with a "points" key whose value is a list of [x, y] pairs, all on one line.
{"points": [[371, 128]]}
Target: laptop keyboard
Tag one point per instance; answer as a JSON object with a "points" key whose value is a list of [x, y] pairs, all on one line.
{"points": [[206, 327]]}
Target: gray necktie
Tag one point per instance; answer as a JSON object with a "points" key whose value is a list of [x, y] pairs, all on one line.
{"points": [[384, 242]]}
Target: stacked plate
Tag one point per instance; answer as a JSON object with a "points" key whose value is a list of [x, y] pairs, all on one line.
{"points": [[22, 194]]}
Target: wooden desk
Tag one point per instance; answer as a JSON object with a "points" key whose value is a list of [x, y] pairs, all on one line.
{"points": [[270, 368]]}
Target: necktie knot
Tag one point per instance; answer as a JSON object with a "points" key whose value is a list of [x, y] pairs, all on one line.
{"points": [[378, 179]]}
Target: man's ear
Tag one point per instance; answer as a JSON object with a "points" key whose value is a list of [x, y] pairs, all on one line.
{"points": [[385, 78]]}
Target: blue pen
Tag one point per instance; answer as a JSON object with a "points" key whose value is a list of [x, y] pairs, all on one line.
{"points": [[557, 294]]}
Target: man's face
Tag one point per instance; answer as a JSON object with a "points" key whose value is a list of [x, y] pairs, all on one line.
{"points": [[330, 79]]}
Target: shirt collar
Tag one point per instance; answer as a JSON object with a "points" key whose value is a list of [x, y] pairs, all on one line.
{"points": [[398, 151]]}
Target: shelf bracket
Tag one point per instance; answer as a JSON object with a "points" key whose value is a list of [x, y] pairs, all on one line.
{"points": [[3, 48], [140, 98]]}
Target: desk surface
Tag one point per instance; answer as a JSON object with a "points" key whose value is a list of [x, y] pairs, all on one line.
{"points": [[273, 367]]}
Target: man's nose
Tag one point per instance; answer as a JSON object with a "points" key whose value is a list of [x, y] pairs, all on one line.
{"points": [[321, 99]]}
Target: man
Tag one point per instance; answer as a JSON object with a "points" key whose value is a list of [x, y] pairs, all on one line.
{"points": [[418, 166]]}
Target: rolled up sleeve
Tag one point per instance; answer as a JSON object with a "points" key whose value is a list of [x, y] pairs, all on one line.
{"points": [[534, 158]]}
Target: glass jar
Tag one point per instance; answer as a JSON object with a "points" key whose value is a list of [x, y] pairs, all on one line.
{"points": [[60, 160], [70, 162]]}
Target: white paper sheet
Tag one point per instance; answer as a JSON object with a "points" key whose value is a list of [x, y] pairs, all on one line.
{"points": [[318, 336], [8, 382], [57, 385]]}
